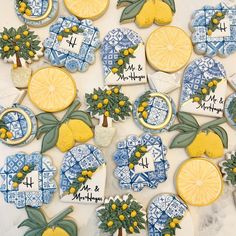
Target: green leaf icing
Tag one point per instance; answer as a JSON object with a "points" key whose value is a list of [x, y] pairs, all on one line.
{"points": [[229, 168], [214, 22], [207, 88], [39, 225], [143, 105], [117, 213], [69, 31], [20, 176], [171, 4], [51, 125], [80, 180], [232, 109], [189, 129], [137, 154], [171, 226]]}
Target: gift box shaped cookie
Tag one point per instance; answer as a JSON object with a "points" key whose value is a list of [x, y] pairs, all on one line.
{"points": [[204, 88], [83, 175], [123, 57]]}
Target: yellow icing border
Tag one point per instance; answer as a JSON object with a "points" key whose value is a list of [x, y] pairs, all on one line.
{"points": [[168, 118], [23, 113]]}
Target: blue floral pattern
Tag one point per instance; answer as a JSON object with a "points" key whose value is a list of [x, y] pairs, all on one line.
{"points": [[47, 185], [157, 113], [127, 177], [226, 111], [197, 73], [18, 125], [162, 208], [116, 40], [72, 61], [79, 158], [38, 8], [208, 45]]}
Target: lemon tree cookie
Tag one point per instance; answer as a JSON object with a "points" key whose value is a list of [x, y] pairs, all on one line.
{"points": [[168, 49], [87, 9], [51, 89], [209, 139], [199, 182]]}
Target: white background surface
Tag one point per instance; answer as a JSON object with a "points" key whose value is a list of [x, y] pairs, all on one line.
{"points": [[215, 220]]}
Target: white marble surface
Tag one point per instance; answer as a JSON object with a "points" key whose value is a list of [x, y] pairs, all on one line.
{"points": [[215, 220]]}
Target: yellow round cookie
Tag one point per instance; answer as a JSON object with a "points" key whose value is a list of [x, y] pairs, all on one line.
{"points": [[52, 89], [87, 9], [168, 49], [199, 182]]}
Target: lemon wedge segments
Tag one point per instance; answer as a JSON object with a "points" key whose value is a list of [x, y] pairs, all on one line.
{"points": [[87, 9], [199, 182], [168, 49], [51, 89]]}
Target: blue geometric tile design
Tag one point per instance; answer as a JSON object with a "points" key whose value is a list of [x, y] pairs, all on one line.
{"points": [[209, 45], [38, 8], [17, 124], [79, 158], [126, 176], [47, 185], [162, 208], [115, 40], [157, 112], [197, 73], [226, 111], [72, 61]]}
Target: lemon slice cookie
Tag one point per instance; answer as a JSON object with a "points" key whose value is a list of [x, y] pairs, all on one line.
{"points": [[51, 89], [168, 49], [87, 9], [199, 182]]}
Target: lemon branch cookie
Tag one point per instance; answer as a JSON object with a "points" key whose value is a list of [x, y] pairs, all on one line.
{"points": [[147, 12], [75, 126], [171, 226], [209, 139], [4, 132], [38, 224], [23, 7]]}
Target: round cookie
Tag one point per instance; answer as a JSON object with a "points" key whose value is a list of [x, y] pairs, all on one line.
{"points": [[51, 89], [199, 182], [87, 9], [230, 111], [168, 49]]}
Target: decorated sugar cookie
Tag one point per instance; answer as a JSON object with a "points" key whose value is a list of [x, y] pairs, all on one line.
{"points": [[154, 112], [36, 13], [163, 82], [168, 49], [72, 44], [75, 126], [214, 30], [199, 182], [58, 226], [52, 89], [18, 125], [107, 105], [147, 12], [141, 161], [168, 215], [20, 46], [228, 168], [230, 110], [209, 139], [83, 175], [28, 180], [87, 9], [120, 216], [204, 88], [123, 57]]}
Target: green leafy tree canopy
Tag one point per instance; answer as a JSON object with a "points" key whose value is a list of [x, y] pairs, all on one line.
{"points": [[117, 213], [108, 103], [21, 43]]}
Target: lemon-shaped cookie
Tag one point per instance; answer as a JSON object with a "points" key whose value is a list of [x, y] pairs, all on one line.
{"points": [[87, 9], [51, 89], [199, 182], [168, 49]]}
